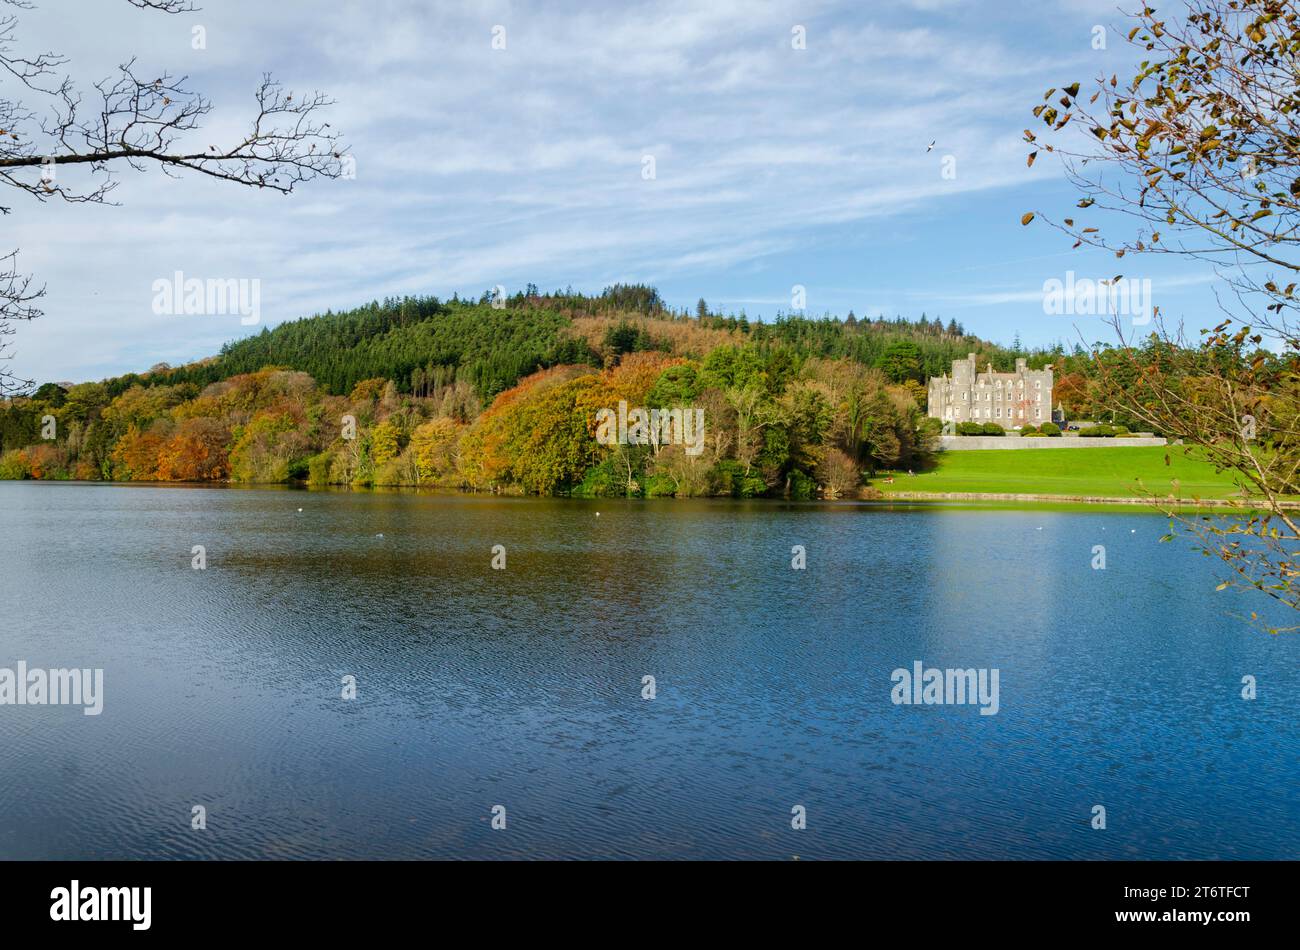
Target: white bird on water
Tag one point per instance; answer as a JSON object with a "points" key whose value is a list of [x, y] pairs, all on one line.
{"points": [[300, 509]]}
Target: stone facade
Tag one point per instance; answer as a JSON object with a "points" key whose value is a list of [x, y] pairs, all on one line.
{"points": [[1021, 398]]}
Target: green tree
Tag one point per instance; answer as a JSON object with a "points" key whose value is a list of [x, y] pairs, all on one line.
{"points": [[901, 361]]}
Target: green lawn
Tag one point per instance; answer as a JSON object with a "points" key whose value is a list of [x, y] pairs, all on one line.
{"points": [[1112, 472]]}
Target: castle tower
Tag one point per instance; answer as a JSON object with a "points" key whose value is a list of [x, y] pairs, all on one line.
{"points": [[1011, 400]]}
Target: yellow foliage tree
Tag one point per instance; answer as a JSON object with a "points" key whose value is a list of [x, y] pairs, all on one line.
{"points": [[384, 443], [434, 446]]}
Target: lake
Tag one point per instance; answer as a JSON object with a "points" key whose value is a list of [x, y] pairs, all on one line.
{"points": [[523, 687]]}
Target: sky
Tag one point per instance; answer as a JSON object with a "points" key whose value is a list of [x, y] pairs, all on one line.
{"points": [[774, 167]]}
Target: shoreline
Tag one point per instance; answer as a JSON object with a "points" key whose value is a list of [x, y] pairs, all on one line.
{"points": [[999, 499], [1149, 502]]}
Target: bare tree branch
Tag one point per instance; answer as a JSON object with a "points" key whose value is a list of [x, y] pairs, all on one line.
{"points": [[17, 299], [139, 123]]}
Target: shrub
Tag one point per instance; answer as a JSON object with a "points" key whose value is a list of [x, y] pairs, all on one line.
{"points": [[658, 486], [969, 428], [801, 486], [318, 468], [1050, 429], [749, 486], [396, 472], [992, 428], [599, 482], [1098, 432], [722, 475], [728, 478], [86, 471], [15, 464], [1029, 430], [687, 475]]}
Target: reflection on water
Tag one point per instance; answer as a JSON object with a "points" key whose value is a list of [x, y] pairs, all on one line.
{"points": [[523, 687]]}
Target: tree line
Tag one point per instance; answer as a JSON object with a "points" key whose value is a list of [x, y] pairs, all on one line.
{"points": [[503, 395]]}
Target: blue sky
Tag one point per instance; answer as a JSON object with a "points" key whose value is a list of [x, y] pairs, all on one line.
{"points": [[476, 166]]}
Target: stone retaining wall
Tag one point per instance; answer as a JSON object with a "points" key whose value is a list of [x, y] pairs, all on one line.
{"points": [[966, 443]]}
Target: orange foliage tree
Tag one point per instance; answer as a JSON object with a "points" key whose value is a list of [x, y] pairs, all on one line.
{"points": [[135, 457], [196, 453]]}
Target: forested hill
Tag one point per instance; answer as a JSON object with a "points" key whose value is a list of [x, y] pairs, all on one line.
{"points": [[422, 343], [404, 340], [507, 395]]}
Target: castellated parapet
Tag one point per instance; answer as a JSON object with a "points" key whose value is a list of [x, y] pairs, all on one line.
{"points": [[1019, 398]]}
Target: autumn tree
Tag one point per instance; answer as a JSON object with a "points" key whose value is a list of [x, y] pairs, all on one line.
{"points": [[838, 474], [1198, 155], [434, 444], [135, 457], [195, 453], [385, 442]]}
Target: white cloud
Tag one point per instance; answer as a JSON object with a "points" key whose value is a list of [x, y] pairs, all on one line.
{"points": [[477, 166]]}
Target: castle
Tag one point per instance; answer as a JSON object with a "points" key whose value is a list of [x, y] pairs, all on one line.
{"points": [[1020, 398]]}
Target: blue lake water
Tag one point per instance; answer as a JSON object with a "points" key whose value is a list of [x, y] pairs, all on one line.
{"points": [[522, 687]]}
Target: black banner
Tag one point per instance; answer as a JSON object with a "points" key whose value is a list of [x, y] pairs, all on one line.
{"points": [[1217, 901]]}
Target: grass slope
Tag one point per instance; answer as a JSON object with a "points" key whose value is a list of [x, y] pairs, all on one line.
{"points": [[1111, 472]]}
